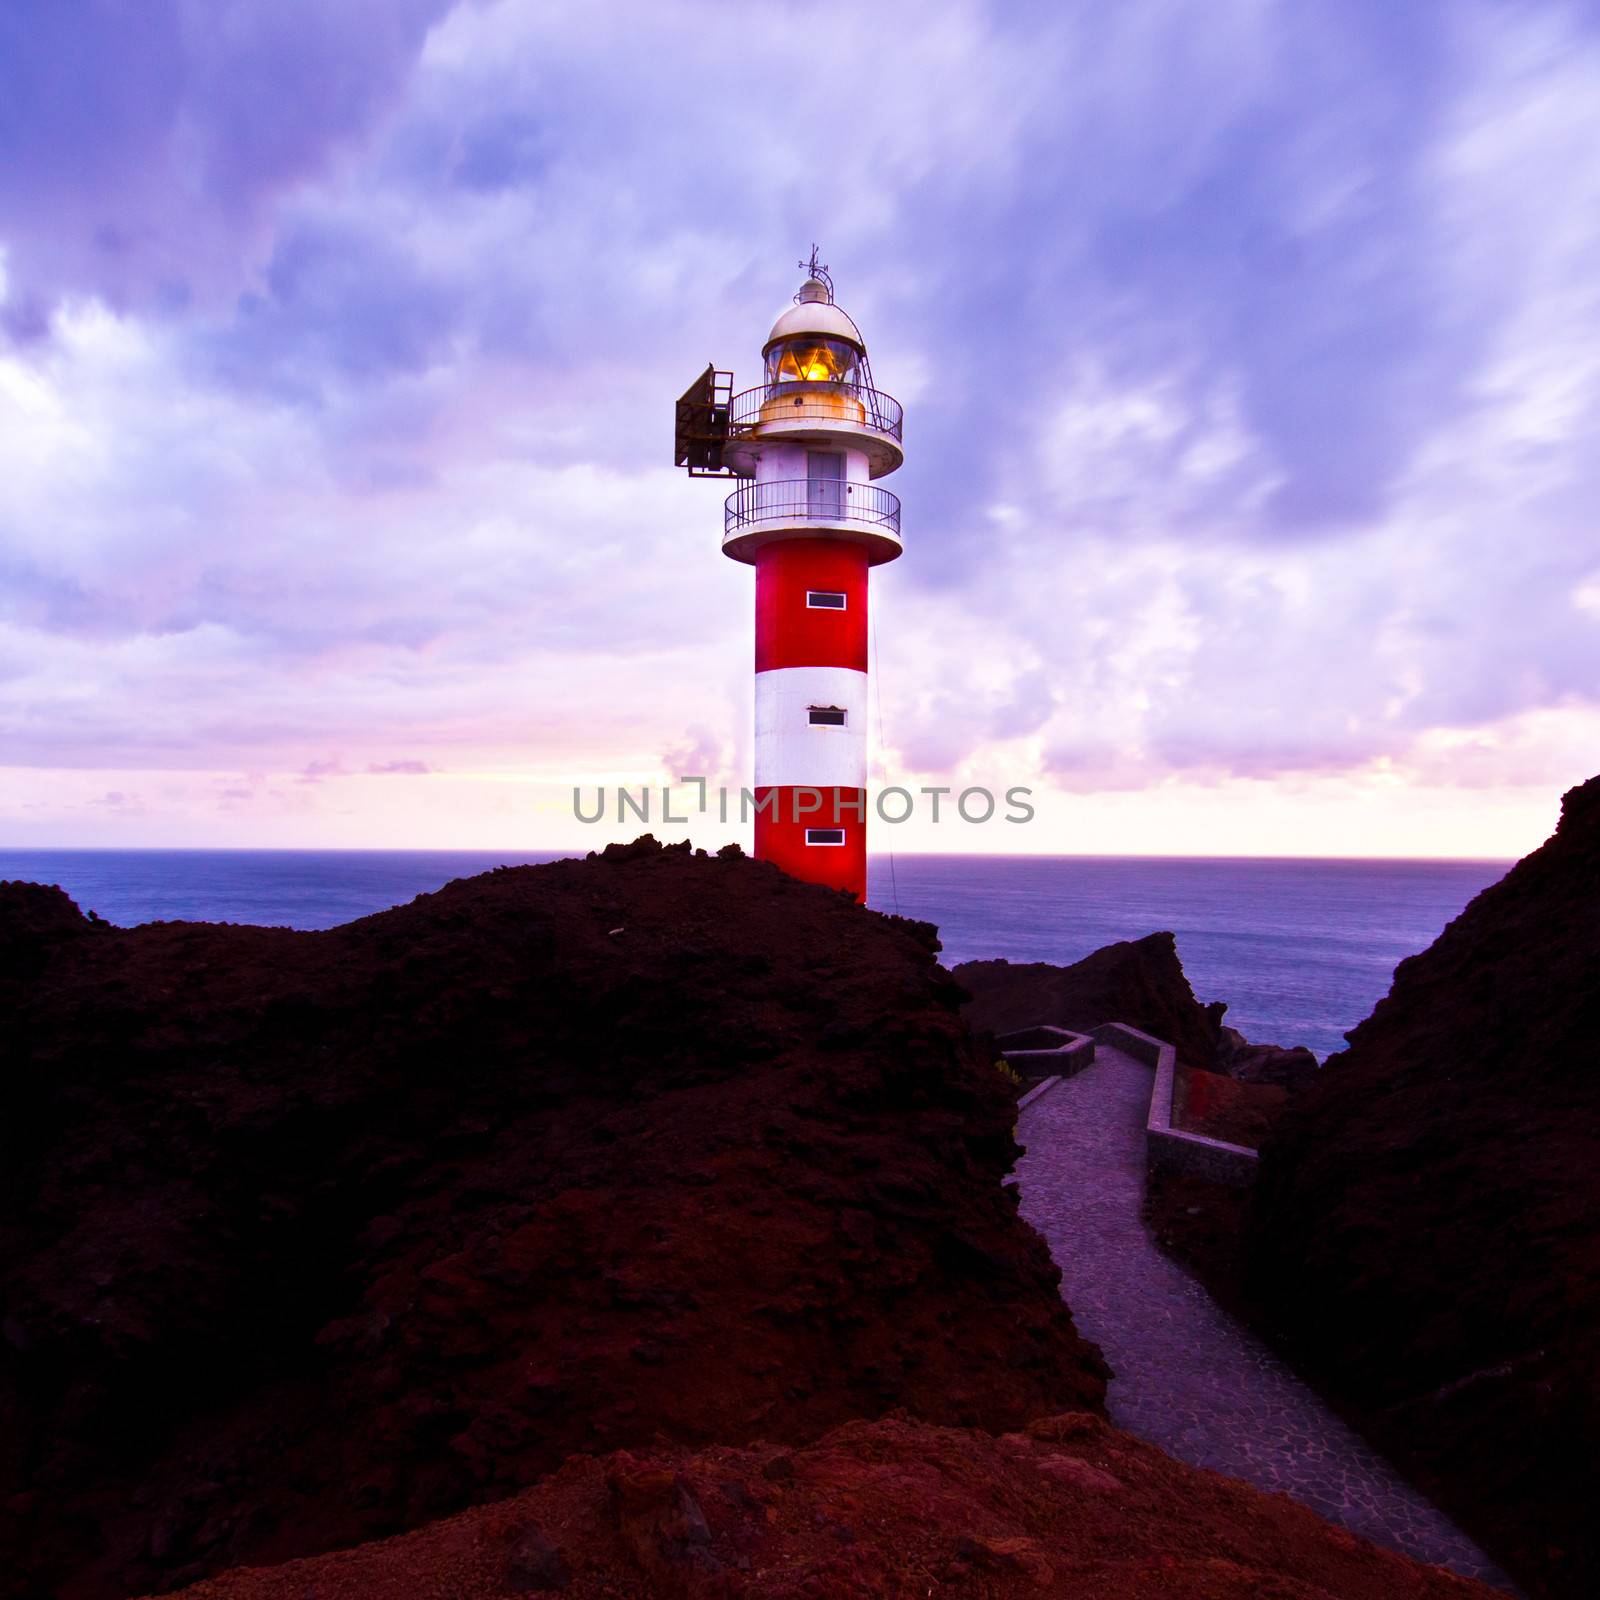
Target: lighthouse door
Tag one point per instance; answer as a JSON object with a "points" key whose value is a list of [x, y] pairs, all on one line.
{"points": [[825, 484]]}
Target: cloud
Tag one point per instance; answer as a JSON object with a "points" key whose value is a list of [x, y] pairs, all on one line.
{"points": [[147, 146], [1252, 384]]}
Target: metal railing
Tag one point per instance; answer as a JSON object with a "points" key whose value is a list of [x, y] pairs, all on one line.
{"points": [[811, 500], [820, 402]]}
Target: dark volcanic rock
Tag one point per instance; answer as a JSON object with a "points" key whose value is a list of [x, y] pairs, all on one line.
{"points": [[886, 1510], [1140, 982], [307, 1238], [34, 921], [1226, 1108], [1428, 1222], [1290, 1068]]}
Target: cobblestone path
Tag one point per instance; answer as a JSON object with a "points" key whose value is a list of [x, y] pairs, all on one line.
{"points": [[1188, 1377]]}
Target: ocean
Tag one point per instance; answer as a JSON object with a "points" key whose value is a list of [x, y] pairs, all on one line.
{"points": [[1300, 950]]}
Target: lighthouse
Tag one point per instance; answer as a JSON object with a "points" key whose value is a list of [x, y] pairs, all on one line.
{"points": [[806, 446]]}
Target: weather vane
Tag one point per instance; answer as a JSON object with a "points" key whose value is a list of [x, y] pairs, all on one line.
{"points": [[817, 270]]}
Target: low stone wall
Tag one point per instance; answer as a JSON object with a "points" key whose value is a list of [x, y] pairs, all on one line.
{"points": [[1170, 1149], [1043, 1086], [1046, 1051]]}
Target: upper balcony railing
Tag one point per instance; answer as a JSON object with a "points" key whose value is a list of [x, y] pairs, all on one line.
{"points": [[850, 403], [791, 500]]}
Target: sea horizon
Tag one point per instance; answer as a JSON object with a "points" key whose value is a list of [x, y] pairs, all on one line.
{"points": [[1299, 947], [543, 853]]}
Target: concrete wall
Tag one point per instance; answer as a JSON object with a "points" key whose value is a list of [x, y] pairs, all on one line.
{"points": [[1171, 1149], [1046, 1050]]}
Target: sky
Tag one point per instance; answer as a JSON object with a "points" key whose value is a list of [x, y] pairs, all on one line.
{"points": [[1250, 354]]}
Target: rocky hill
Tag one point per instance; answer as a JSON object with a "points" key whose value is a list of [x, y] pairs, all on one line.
{"points": [[310, 1238], [635, 1227], [1427, 1226], [1139, 981], [887, 1510]]}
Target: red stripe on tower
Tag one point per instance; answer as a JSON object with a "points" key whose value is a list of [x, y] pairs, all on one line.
{"points": [[811, 440], [811, 605], [787, 823]]}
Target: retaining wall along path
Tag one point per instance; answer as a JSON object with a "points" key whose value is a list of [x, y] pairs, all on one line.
{"points": [[1046, 1050], [1170, 1149], [1187, 1376]]}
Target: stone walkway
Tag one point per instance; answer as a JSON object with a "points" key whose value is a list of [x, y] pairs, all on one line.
{"points": [[1188, 1377]]}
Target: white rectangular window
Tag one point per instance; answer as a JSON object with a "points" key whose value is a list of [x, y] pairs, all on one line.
{"points": [[824, 600], [824, 835]]}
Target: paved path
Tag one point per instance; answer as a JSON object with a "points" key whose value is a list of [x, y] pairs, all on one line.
{"points": [[1188, 1377]]}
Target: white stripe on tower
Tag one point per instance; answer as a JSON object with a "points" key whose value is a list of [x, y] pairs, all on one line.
{"points": [[794, 751]]}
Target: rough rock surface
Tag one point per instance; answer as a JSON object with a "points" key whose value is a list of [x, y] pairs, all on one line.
{"points": [[1427, 1228], [1274, 1065], [888, 1510], [35, 920], [310, 1238], [1231, 1109], [1139, 981]]}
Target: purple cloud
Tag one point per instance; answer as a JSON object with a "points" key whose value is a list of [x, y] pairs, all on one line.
{"points": [[1250, 384], [144, 146]]}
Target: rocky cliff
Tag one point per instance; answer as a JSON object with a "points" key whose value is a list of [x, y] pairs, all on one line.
{"points": [[309, 1238], [1139, 981], [1427, 1226]]}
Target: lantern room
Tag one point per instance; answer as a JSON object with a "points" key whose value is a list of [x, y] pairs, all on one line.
{"points": [[813, 342]]}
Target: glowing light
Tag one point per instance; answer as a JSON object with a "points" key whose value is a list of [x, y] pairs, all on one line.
{"points": [[813, 361]]}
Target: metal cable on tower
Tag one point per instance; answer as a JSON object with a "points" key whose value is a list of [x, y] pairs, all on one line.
{"points": [[883, 744]]}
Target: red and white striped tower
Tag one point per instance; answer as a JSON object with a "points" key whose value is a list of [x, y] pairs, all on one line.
{"points": [[811, 439]]}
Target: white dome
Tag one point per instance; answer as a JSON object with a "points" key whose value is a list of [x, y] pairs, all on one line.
{"points": [[818, 317]]}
